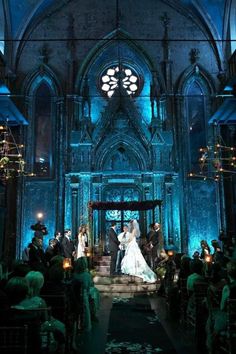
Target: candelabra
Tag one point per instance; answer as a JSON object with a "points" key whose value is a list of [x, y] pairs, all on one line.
{"points": [[216, 161], [11, 155]]}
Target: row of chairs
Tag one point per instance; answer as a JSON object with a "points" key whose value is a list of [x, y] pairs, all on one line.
{"points": [[197, 318], [15, 338]]}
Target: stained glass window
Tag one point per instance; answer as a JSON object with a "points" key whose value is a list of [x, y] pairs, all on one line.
{"points": [[110, 80], [119, 195]]}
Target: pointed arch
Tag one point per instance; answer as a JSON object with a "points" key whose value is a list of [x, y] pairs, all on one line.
{"points": [[196, 86], [195, 73], [43, 73], [130, 146], [104, 44], [41, 89]]}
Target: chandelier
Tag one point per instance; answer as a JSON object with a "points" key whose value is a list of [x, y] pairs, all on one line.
{"points": [[216, 161], [12, 163]]}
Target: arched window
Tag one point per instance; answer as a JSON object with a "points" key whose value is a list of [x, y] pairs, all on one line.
{"points": [[195, 123], [43, 130]]}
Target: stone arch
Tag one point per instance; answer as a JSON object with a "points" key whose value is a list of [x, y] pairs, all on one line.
{"points": [[103, 45], [132, 149], [195, 73], [33, 79]]}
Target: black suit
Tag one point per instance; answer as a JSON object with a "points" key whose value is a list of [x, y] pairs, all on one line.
{"points": [[113, 246], [67, 247], [154, 239]]}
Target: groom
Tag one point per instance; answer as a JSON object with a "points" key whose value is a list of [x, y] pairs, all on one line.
{"points": [[114, 246]]}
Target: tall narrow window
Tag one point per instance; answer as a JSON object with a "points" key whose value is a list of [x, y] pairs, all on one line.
{"points": [[43, 131], [196, 123]]}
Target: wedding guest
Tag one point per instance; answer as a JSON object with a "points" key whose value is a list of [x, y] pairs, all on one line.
{"points": [[85, 294], [205, 250], [218, 319]]}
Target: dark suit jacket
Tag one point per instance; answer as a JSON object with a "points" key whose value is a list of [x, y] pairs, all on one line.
{"points": [[113, 240], [154, 237], [67, 247]]}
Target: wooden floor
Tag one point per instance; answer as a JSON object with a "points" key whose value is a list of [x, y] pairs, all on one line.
{"points": [[95, 341]]}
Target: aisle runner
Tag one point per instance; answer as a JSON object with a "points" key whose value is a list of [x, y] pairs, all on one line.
{"points": [[134, 328]]}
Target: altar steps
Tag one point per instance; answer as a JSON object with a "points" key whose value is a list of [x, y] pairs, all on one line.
{"points": [[119, 286]]}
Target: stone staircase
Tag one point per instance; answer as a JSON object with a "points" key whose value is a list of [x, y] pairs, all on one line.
{"points": [[102, 265], [119, 286]]}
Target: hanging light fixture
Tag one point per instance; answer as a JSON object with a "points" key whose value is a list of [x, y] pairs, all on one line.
{"points": [[216, 161], [12, 163]]}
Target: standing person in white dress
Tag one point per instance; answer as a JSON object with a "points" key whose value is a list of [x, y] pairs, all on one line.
{"points": [[133, 262], [82, 239]]}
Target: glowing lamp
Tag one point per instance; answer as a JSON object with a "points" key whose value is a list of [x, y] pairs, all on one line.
{"points": [[67, 264], [208, 258], [39, 216], [170, 253]]}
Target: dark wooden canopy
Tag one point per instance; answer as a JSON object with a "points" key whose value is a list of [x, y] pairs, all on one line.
{"points": [[133, 205]]}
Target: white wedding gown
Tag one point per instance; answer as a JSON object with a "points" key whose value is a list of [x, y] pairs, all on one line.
{"points": [[134, 263]]}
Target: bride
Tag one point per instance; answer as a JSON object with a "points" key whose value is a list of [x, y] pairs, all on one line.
{"points": [[133, 262]]}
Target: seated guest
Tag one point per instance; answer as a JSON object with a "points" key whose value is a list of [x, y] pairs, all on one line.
{"points": [[17, 290], [196, 268], [82, 286], [35, 301], [218, 320], [184, 271]]}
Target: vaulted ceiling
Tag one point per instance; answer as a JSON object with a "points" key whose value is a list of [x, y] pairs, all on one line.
{"points": [[20, 15]]}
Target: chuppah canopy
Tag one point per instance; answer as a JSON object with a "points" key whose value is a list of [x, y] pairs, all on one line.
{"points": [[134, 205]]}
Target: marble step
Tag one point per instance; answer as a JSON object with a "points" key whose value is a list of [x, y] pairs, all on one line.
{"points": [[101, 258], [128, 288], [102, 262], [103, 269], [123, 279]]}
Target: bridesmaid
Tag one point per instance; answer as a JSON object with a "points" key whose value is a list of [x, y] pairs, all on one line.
{"points": [[82, 238]]}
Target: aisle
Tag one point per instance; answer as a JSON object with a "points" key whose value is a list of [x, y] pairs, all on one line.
{"points": [[135, 328], [134, 321]]}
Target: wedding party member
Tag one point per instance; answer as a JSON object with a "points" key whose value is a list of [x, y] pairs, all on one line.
{"points": [[123, 237], [58, 239], [113, 246], [67, 245], [81, 245], [133, 262]]}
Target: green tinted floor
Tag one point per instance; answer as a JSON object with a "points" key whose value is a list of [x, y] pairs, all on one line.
{"points": [[137, 325]]}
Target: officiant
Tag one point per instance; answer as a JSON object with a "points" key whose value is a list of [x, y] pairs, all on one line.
{"points": [[123, 237]]}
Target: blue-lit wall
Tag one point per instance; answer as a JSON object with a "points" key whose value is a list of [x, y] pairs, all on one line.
{"points": [[203, 221], [158, 152], [119, 52], [38, 197]]}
